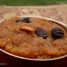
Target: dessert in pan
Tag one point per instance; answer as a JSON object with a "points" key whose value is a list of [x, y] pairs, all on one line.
{"points": [[33, 37]]}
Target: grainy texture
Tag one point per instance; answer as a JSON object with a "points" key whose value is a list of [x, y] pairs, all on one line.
{"points": [[33, 39]]}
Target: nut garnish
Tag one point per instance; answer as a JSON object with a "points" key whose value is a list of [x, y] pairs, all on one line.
{"points": [[7, 26], [26, 28]]}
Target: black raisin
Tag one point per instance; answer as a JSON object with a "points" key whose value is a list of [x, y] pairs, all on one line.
{"points": [[57, 33], [41, 33], [25, 20]]}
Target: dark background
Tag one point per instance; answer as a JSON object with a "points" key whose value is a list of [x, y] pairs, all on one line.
{"points": [[10, 61]]}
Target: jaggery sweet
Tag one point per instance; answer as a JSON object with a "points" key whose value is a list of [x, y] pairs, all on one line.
{"points": [[33, 38]]}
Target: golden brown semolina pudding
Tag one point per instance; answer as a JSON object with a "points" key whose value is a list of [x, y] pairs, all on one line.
{"points": [[33, 38]]}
